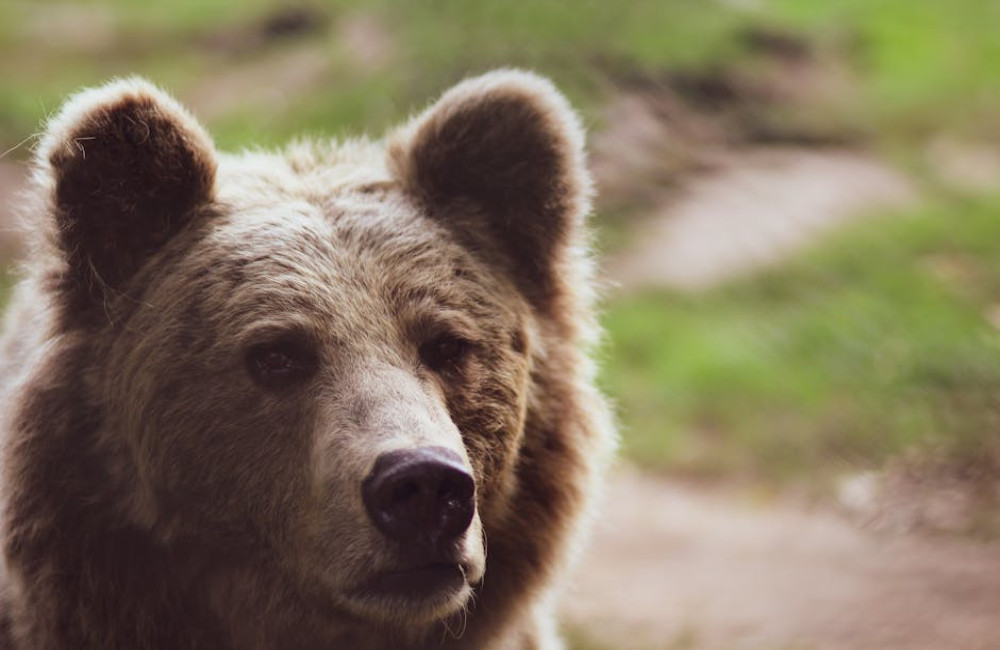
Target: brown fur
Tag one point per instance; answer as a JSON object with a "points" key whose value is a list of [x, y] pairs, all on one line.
{"points": [[156, 496]]}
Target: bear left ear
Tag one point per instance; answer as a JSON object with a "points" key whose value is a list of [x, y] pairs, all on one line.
{"points": [[129, 168], [508, 143]]}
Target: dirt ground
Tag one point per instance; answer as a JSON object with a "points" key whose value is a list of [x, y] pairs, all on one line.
{"points": [[754, 209], [673, 566]]}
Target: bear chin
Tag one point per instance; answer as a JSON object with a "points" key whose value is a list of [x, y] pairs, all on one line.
{"points": [[412, 597]]}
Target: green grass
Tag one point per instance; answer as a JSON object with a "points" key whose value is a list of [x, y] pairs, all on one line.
{"points": [[924, 65], [876, 342], [6, 285]]}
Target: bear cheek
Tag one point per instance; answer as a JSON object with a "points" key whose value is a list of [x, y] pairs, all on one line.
{"points": [[224, 460], [490, 412]]}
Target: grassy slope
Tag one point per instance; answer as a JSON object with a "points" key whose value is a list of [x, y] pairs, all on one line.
{"points": [[877, 341]]}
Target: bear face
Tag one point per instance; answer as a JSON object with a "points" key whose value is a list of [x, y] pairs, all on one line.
{"points": [[307, 387], [314, 362]]}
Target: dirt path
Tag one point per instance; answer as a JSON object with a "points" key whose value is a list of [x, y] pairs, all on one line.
{"points": [[675, 567], [289, 74], [754, 210]]}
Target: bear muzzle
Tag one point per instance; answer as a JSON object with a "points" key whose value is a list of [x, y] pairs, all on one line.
{"points": [[422, 501]]}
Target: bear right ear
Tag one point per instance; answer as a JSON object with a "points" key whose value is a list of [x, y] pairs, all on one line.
{"points": [[129, 168]]}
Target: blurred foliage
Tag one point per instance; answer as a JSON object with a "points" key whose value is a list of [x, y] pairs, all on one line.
{"points": [[919, 66]]}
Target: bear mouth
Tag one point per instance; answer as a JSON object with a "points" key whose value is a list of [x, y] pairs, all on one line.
{"points": [[428, 581], [414, 594]]}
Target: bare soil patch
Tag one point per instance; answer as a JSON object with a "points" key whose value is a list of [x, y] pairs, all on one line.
{"points": [[753, 210], [672, 566], [274, 63], [271, 83]]}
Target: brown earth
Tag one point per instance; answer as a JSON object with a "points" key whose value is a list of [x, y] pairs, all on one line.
{"points": [[285, 75], [674, 566], [754, 209]]}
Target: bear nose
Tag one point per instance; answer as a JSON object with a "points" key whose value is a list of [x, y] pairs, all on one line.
{"points": [[420, 494]]}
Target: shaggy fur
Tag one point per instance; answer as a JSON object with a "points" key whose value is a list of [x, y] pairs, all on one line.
{"points": [[160, 492]]}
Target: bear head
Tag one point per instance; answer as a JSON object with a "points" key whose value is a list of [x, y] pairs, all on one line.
{"points": [[317, 371]]}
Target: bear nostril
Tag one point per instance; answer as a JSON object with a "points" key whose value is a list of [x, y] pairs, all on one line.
{"points": [[404, 493], [423, 493]]}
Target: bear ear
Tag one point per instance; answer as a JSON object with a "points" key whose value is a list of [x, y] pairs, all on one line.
{"points": [[128, 168], [505, 148]]}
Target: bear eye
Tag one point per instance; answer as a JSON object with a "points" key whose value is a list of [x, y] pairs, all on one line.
{"points": [[444, 352], [281, 362]]}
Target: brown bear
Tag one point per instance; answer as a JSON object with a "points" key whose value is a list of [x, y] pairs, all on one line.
{"points": [[339, 396]]}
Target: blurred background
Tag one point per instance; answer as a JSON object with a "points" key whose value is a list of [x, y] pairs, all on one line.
{"points": [[799, 229]]}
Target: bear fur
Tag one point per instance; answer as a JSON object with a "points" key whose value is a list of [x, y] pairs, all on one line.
{"points": [[208, 354]]}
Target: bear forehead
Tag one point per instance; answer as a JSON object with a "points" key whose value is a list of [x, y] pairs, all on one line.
{"points": [[307, 170], [345, 242], [355, 258], [328, 218]]}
